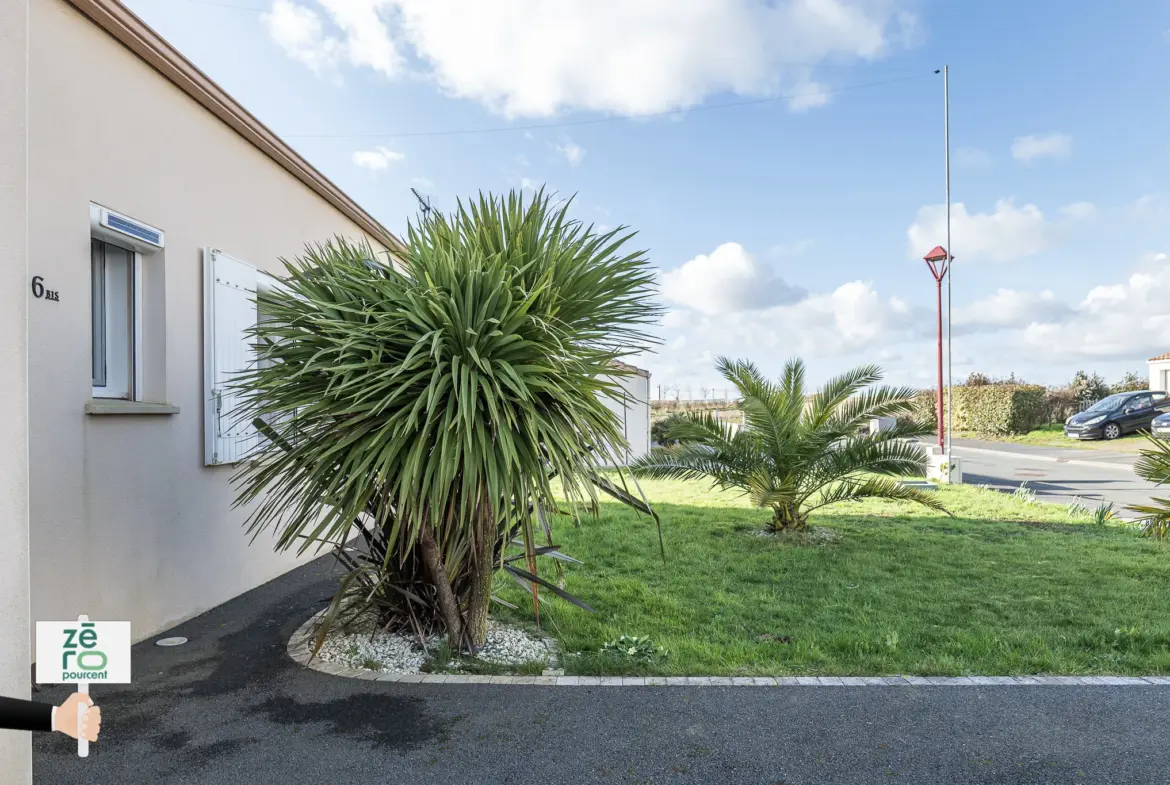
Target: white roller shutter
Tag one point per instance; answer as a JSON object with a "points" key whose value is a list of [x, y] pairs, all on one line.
{"points": [[229, 309]]}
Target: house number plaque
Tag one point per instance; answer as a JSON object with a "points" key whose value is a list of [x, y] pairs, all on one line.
{"points": [[41, 293]]}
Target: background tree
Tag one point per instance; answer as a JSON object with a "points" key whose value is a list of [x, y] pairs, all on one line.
{"points": [[436, 401], [1131, 382], [1088, 388], [794, 456], [976, 379]]}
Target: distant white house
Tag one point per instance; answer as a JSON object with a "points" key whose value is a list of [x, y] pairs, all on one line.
{"points": [[1159, 374], [634, 413]]}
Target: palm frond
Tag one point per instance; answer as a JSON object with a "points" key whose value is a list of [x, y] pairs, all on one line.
{"points": [[793, 452], [1153, 463], [875, 488]]}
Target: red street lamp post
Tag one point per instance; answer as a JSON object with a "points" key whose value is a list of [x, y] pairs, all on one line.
{"points": [[939, 262]]}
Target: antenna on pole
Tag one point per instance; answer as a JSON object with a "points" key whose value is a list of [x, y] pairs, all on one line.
{"points": [[424, 203]]}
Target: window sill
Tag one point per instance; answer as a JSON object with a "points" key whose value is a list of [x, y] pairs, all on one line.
{"points": [[118, 406]]}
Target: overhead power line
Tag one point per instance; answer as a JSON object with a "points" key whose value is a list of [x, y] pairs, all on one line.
{"points": [[616, 119]]}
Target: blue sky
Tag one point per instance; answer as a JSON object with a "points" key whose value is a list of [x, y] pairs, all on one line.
{"points": [[790, 226]]}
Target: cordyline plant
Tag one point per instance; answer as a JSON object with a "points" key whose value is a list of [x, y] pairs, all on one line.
{"points": [[795, 454], [449, 405]]}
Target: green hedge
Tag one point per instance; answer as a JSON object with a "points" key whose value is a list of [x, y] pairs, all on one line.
{"points": [[991, 409]]}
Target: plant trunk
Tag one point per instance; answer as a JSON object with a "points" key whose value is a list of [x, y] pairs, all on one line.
{"points": [[483, 569], [448, 605], [788, 518]]}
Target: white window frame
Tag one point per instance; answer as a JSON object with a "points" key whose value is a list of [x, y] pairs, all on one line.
{"points": [[100, 229], [117, 389]]}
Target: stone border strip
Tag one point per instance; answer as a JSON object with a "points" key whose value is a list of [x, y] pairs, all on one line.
{"points": [[300, 645]]}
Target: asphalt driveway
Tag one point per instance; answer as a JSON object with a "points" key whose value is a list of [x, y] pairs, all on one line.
{"points": [[231, 707]]}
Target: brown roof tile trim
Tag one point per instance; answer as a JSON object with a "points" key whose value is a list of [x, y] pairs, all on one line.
{"points": [[1165, 356], [139, 38]]}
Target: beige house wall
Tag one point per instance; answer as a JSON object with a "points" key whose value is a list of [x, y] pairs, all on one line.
{"points": [[15, 746], [127, 523]]}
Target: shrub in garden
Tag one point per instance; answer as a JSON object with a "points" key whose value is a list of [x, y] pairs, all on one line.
{"points": [[434, 404], [1088, 389], [1060, 403], [793, 457], [660, 431], [976, 379], [1131, 382]]}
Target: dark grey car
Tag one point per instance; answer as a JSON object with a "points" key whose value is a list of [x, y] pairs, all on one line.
{"points": [[1121, 413]]}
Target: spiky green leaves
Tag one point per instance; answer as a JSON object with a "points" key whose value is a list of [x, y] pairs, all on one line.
{"points": [[796, 452]]}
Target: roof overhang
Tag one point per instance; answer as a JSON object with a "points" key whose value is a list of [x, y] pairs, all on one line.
{"points": [[121, 23]]}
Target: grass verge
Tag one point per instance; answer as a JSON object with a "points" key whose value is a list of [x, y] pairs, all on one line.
{"points": [[1004, 587]]}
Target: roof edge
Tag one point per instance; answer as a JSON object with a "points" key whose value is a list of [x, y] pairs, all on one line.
{"points": [[137, 36], [630, 368]]}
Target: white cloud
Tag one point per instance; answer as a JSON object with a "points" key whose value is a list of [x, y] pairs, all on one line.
{"points": [[367, 36], [623, 56], [300, 32], [422, 182], [850, 318], [972, 158], [1008, 233], [729, 280], [378, 159], [1053, 145], [1010, 308], [809, 95], [1151, 209], [573, 152], [527, 183], [1123, 322], [1080, 211]]}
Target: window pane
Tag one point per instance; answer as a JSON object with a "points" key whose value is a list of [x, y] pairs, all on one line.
{"points": [[98, 297], [118, 322]]}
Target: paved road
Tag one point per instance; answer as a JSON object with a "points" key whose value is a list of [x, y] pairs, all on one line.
{"points": [[1109, 478], [230, 707], [1119, 458]]}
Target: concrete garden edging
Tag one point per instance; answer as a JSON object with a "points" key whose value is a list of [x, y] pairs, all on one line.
{"points": [[300, 649]]}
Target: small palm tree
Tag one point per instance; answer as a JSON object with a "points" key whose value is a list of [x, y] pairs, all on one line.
{"points": [[794, 455], [1154, 466]]}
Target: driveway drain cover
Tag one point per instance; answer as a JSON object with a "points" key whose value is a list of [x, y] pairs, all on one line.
{"points": [[171, 641]]}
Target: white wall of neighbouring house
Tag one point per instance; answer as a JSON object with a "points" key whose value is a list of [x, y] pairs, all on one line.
{"points": [[15, 675], [1159, 375], [634, 414], [127, 522]]}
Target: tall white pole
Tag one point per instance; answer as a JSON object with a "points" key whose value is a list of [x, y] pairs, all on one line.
{"points": [[950, 251]]}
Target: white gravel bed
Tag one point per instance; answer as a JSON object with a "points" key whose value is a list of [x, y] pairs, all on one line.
{"points": [[402, 653]]}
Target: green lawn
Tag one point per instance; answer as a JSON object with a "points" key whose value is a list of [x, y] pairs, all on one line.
{"points": [[1004, 587], [1053, 436]]}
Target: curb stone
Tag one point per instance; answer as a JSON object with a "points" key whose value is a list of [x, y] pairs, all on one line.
{"points": [[300, 648]]}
